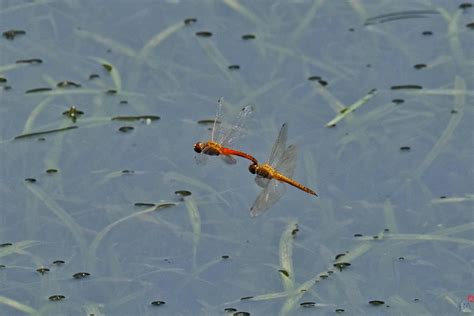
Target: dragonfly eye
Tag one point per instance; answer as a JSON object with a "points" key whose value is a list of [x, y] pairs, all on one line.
{"points": [[253, 168], [198, 147]]}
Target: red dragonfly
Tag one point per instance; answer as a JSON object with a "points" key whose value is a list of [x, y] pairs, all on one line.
{"points": [[222, 136], [279, 168]]}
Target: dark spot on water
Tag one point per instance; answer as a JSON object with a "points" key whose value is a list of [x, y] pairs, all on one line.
{"points": [[398, 101], [204, 34], [465, 5], [285, 273], [314, 78], [442, 197], [246, 298], [368, 65], [3, 79], [323, 82], [234, 67], [207, 122], [81, 275], [190, 21], [107, 67], [67, 84], [358, 235], [230, 310], [225, 257], [7, 244], [124, 102], [330, 272], [308, 304], [341, 265], [420, 66], [401, 258], [295, 231], [344, 110], [158, 303], [454, 112], [470, 25], [339, 310], [375, 237], [42, 270], [36, 90], [51, 171], [94, 76], [29, 61], [416, 299], [405, 148], [247, 37], [56, 298], [427, 33], [6, 88], [111, 92], [241, 314], [2, 266], [128, 171], [324, 276], [144, 204], [135, 118], [351, 29], [386, 230], [376, 302], [406, 87], [31, 180], [183, 192], [339, 256], [11, 34], [58, 262], [126, 129]]}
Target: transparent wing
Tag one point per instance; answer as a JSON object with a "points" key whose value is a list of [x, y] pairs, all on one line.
{"points": [[267, 197], [228, 159], [286, 164], [227, 133], [261, 181], [279, 146], [217, 120], [200, 159]]}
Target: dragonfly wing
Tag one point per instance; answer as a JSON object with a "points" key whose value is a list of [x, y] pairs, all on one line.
{"points": [[279, 146], [217, 120], [286, 165], [229, 159], [267, 197], [261, 181], [229, 133]]}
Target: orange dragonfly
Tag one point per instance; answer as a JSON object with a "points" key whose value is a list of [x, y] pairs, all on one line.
{"points": [[279, 168], [222, 136]]}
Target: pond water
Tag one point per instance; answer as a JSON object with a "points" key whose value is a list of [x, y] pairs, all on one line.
{"points": [[106, 210]]}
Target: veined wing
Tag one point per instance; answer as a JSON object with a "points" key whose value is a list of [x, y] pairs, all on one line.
{"points": [[286, 164], [279, 146], [267, 197], [261, 181], [228, 133], [228, 159]]}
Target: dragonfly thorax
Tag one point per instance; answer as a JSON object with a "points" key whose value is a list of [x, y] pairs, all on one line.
{"points": [[263, 170]]}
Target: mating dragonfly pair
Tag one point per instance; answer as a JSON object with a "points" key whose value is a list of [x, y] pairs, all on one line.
{"points": [[279, 167]]}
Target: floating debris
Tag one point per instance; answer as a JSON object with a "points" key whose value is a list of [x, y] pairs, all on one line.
{"points": [[207, 122], [107, 67], [407, 86], [358, 235], [30, 180], [42, 270], [93, 76], [11, 34], [230, 310], [285, 273], [144, 204], [190, 21], [344, 112], [29, 61], [247, 37], [341, 265], [246, 298], [45, 132], [398, 101], [241, 314], [339, 310], [339, 256], [158, 303], [318, 79], [400, 16], [58, 262], [470, 25], [51, 171], [80, 275], [73, 113], [204, 34], [183, 192], [465, 5], [36, 90], [376, 302], [225, 257], [233, 67], [135, 118], [126, 129], [7, 244], [128, 171], [295, 230], [308, 304], [427, 33], [401, 258], [3, 80], [405, 148], [67, 83], [6, 88], [324, 276], [420, 66], [57, 297], [123, 102], [111, 92]]}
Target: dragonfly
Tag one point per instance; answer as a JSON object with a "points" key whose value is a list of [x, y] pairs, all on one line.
{"points": [[272, 175], [222, 136]]}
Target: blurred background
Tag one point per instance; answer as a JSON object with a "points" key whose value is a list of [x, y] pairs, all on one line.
{"points": [[104, 210]]}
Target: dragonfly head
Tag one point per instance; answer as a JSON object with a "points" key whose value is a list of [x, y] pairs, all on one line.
{"points": [[253, 168], [198, 147]]}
